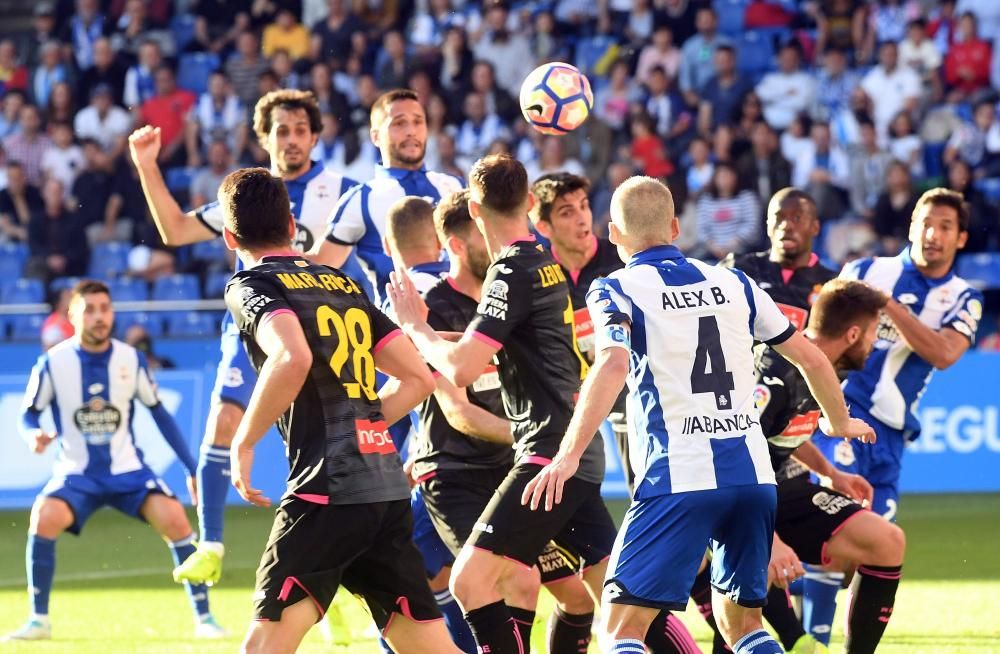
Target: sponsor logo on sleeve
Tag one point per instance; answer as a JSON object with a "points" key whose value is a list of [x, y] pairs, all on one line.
{"points": [[494, 302], [761, 396], [252, 303]]}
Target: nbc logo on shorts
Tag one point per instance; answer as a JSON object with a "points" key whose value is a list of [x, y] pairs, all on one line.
{"points": [[373, 437]]}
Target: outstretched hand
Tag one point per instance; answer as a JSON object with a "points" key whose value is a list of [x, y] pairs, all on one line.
{"points": [[406, 302], [549, 482]]}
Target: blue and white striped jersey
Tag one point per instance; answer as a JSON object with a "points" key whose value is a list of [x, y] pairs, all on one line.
{"points": [[894, 377], [693, 424], [359, 219], [313, 197], [92, 400]]}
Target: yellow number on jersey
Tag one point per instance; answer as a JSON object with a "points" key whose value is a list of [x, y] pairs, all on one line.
{"points": [[354, 329], [568, 318]]}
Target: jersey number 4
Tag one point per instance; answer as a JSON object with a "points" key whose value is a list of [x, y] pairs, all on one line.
{"points": [[709, 374], [354, 342]]}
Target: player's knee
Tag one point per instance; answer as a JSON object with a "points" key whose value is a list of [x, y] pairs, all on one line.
{"points": [[50, 517], [170, 519], [520, 586], [894, 545], [223, 422], [572, 597]]}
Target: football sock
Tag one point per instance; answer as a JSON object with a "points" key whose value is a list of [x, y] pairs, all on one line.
{"points": [[455, 621], [795, 588], [494, 629], [627, 646], [197, 593], [213, 487], [819, 602], [569, 633], [757, 642], [701, 593], [40, 561], [873, 594], [781, 616], [668, 635], [523, 619]]}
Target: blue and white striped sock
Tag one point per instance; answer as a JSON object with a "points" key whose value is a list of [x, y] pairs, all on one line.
{"points": [[757, 642], [197, 593], [627, 646]]}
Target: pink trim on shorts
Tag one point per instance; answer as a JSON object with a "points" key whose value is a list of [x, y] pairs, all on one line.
{"points": [[404, 610], [286, 589], [534, 459], [823, 558], [385, 340], [876, 573], [517, 637], [492, 342], [575, 575], [588, 567], [313, 498], [436, 375]]}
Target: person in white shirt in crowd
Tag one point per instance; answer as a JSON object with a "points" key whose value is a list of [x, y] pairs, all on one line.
{"points": [[697, 61], [906, 145], [787, 92], [918, 52], [729, 219], [63, 159], [205, 184], [477, 131], [822, 171], [104, 121], [868, 165], [140, 84], [976, 142], [891, 87], [505, 50], [218, 115]]}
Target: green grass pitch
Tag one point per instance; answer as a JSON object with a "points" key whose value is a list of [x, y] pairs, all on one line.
{"points": [[113, 591]]}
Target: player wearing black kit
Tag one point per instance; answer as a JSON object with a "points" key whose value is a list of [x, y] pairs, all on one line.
{"points": [[315, 340], [525, 319]]}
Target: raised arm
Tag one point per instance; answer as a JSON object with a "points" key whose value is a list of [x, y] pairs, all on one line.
{"points": [[175, 226], [939, 347]]}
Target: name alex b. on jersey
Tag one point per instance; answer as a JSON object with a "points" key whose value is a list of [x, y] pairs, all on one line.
{"points": [[693, 299]]}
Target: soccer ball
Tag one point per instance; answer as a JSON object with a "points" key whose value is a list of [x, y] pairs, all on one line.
{"points": [[556, 98]]}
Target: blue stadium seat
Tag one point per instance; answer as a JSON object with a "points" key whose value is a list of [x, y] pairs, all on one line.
{"points": [[129, 289], [754, 52], [731, 14], [176, 287], [17, 251], [215, 284], [193, 70], [10, 267], [179, 179], [184, 324], [109, 260], [23, 291], [60, 283], [182, 29], [980, 270], [990, 187], [26, 327], [152, 321], [211, 251]]}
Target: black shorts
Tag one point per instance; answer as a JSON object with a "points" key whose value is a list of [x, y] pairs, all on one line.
{"points": [[455, 500], [580, 521], [314, 548], [809, 515]]}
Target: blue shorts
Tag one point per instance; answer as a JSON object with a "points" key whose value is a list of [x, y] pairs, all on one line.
{"points": [[235, 377], [436, 554], [86, 493], [880, 463], [663, 540]]}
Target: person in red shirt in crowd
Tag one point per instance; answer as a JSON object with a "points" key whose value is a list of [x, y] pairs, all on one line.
{"points": [[967, 64], [168, 111], [647, 149], [12, 74], [57, 327]]}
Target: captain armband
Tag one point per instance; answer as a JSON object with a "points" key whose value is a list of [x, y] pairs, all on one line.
{"points": [[613, 335]]}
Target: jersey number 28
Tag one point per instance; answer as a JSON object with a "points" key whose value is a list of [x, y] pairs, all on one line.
{"points": [[709, 374], [354, 342]]}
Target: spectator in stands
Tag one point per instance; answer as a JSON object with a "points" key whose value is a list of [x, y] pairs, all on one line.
{"points": [[288, 34], [505, 50], [205, 184], [667, 108], [10, 115], [498, 101], [722, 95], [987, 14], [140, 79], [822, 171], [12, 74], [941, 27], [139, 338], [63, 159], [918, 51], [728, 218], [134, 28], [640, 25], [43, 30], [57, 327], [885, 22], [660, 52], [219, 23], [762, 168], [91, 191], [331, 38], [700, 169], [329, 99], [613, 98], [869, 164], [478, 129], [56, 238], [456, 61], [393, 71], [647, 151], [837, 22], [546, 44], [84, 28], [18, 202], [29, 143], [340, 149], [245, 68], [428, 29], [61, 107], [50, 71], [976, 143], [788, 91], [106, 70], [892, 88], [104, 121], [168, 110], [448, 156], [697, 55], [905, 145], [600, 196], [967, 64], [834, 84], [553, 159], [984, 222], [891, 218], [217, 116], [681, 15]]}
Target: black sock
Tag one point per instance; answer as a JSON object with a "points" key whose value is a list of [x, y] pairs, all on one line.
{"points": [[668, 635], [781, 616], [493, 628], [701, 593], [873, 594], [523, 619], [569, 633]]}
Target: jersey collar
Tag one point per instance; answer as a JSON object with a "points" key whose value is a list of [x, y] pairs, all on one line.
{"points": [[931, 281], [655, 255], [431, 267], [398, 173], [314, 170]]}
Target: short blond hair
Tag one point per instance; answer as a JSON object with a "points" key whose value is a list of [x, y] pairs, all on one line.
{"points": [[644, 207]]}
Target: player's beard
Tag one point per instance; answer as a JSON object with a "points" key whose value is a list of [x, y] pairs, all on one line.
{"points": [[479, 263], [90, 337], [398, 157], [854, 358], [286, 169]]}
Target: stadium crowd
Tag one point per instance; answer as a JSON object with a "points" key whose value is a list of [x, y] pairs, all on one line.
{"points": [[862, 104]]}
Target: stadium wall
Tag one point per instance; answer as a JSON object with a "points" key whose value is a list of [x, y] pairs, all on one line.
{"points": [[958, 450]]}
